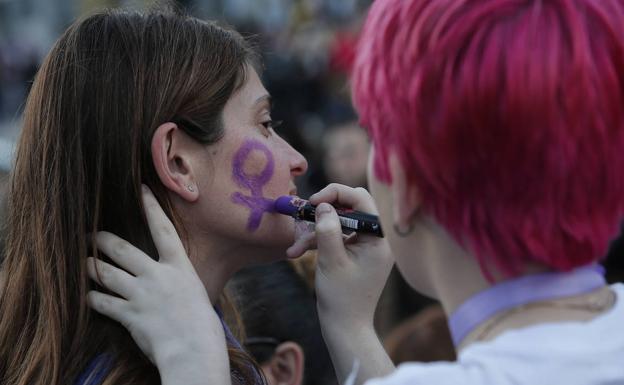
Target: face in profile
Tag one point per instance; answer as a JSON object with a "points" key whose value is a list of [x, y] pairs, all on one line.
{"points": [[242, 174]]}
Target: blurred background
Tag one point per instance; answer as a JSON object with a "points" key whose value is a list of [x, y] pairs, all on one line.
{"points": [[308, 48]]}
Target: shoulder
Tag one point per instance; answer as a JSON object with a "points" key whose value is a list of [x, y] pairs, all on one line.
{"points": [[546, 353]]}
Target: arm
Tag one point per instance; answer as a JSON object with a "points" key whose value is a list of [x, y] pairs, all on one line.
{"points": [[350, 343], [163, 304], [349, 280]]}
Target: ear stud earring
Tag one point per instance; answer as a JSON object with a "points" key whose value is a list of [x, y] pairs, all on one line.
{"points": [[191, 188]]}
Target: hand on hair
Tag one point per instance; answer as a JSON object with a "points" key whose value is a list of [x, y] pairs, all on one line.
{"points": [[163, 304]]}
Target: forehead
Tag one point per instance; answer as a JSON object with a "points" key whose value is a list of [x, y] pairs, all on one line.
{"points": [[251, 93]]}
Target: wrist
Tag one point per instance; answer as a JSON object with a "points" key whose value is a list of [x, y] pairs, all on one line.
{"points": [[335, 326], [345, 318], [208, 343], [198, 362]]}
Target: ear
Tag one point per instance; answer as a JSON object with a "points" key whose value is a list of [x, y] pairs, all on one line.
{"points": [[405, 196], [286, 365], [171, 154]]}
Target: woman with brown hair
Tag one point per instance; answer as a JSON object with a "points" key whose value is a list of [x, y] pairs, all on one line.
{"points": [[497, 131], [125, 99]]}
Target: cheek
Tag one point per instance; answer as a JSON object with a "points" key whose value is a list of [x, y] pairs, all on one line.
{"points": [[280, 182], [260, 176], [252, 169], [254, 165]]}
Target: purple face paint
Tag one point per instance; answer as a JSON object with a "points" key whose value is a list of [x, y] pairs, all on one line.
{"points": [[254, 183]]}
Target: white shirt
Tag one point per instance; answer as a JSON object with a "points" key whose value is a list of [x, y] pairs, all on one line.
{"points": [[563, 353]]}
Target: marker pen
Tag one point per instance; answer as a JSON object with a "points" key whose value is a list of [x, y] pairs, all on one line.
{"points": [[350, 220]]}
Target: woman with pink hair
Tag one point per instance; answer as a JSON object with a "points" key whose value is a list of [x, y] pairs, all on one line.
{"points": [[498, 135], [496, 170]]}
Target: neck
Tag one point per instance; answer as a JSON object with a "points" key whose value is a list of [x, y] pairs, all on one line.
{"points": [[454, 274], [456, 277], [459, 277], [214, 263]]}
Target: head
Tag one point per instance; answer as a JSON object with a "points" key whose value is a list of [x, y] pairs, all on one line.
{"points": [[122, 99], [497, 126], [278, 310], [423, 337], [345, 157]]}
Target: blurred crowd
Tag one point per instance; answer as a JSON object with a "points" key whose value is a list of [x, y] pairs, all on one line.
{"points": [[307, 47], [18, 65]]}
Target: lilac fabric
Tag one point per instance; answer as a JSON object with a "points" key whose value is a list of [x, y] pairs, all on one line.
{"points": [[233, 342], [521, 291]]}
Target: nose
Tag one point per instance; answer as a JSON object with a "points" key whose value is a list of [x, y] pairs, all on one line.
{"points": [[298, 163]]}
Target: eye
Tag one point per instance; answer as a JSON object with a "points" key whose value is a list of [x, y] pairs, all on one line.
{"points": [[271, 125]]}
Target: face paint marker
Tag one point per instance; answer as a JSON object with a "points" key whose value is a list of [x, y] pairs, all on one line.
{"points": [[350, 220]]}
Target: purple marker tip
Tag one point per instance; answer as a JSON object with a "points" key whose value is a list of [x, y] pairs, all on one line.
{"points": [[285, 205]]}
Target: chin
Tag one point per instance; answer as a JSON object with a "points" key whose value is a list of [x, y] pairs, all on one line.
{"points": [[278, 230]]}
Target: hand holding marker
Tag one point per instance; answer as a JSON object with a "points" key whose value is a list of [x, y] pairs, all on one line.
{"points": [[350, 220]]}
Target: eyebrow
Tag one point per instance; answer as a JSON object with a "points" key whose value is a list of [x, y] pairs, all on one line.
{"points": [[264, 99]]}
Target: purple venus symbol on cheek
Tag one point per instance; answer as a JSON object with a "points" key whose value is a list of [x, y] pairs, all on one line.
{"points": [[254, 183]]}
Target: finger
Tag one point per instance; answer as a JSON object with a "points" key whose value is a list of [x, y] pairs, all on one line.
{"points": [[307, 242], [163, 232], [302, 244], [110, 306], [350, 239], [123, 253], [111, 277], [341, 195], [329, 240]]}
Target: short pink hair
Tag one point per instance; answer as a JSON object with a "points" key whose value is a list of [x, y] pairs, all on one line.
{"points": [[508, 116]]}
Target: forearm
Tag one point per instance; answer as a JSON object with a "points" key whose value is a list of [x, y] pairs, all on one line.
{"points": [[349, 343]]}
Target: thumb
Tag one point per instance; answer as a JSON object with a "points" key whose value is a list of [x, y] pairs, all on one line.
{"points": [[328, 234]]}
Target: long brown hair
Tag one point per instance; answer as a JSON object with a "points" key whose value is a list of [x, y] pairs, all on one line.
{"points": [[107, 84]]}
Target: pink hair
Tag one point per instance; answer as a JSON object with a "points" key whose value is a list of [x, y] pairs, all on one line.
{"points": [[508, 116]]}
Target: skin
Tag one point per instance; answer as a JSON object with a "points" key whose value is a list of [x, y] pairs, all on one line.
{"points": [[286, 365], [224, 232], [257, 204], [189, 278]]}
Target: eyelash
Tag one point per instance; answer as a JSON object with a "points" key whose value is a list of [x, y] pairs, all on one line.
{"points": [[270, 125]]}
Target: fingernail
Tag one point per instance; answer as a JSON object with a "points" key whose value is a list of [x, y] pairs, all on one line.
{"points": [[322, 209]]}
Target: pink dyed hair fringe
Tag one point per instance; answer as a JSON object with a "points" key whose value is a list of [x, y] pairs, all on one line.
{"points": [[509, 116]]}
